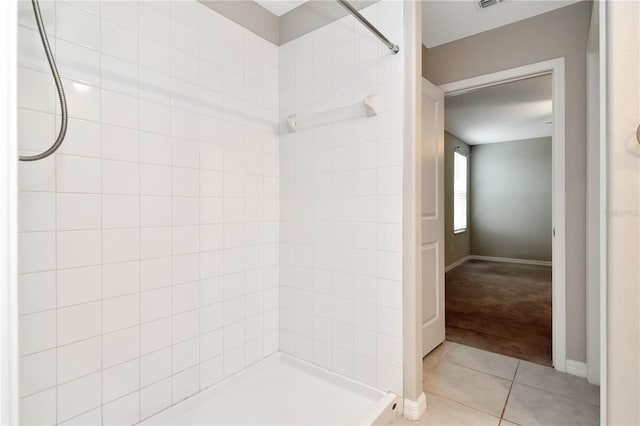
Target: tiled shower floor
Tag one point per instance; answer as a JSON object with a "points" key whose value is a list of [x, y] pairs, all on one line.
{"points": [[468, 386]]}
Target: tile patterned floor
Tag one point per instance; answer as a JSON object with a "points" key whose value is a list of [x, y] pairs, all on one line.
{"points": [[469, 386]]}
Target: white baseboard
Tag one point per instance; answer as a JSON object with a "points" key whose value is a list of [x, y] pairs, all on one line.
{"points": [[413, 410], [509, 260], [576, 368], [456, 264], [496, 259]]}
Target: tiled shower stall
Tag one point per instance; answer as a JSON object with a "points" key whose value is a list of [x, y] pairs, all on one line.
{"points": [[182, 233]]}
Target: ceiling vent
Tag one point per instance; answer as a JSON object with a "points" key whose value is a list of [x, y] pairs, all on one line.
{"points": [[486, 3]]}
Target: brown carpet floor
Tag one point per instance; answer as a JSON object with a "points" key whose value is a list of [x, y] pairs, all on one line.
{"points": [[501, 307]]}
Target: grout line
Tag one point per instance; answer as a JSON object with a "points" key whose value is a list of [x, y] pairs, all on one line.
{"points": [[199, 202], [509, 393], [463, 404], [101, 266], [139, 387], [171, 197]]}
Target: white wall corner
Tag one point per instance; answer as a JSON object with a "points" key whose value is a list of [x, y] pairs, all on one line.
{"points": [[576, 368], [8, 215], [413, 410]]}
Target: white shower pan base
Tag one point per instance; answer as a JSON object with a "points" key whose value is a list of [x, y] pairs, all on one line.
{"points": [[282, 390]]}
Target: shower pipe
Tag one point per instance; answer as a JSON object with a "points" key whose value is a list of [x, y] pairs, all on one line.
{"points": [[59, 88], [352, 10]]}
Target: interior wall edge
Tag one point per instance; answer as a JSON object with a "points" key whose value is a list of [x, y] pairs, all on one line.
{"points": [[279, 30], [250, 15], [414, 404], [8, 217], [312, 15]]}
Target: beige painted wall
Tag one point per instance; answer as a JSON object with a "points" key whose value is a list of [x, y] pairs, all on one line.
{"points": [[510, 196], [456, 245], [560, 33], [623, 214]]}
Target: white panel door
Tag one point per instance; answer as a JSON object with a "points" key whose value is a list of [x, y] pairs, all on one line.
{"points": [[432, 221]]}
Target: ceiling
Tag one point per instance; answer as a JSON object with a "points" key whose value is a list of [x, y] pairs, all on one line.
{"points": [[507, 112], [444, 21], [280, 7]]}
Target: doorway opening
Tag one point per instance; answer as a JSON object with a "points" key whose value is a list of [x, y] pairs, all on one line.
{"points": [[498, 221], [554, 69]]}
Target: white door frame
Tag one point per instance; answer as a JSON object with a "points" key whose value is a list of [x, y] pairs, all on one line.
{"points": [[555, 67], [596, 194]]}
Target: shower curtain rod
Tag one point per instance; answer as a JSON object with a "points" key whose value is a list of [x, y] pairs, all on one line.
{"points": [[352, 10]]}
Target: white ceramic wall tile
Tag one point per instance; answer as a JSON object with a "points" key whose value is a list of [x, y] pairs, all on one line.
{"points": [[77, 174], [35, 129], [29, 42], [36, 251], [37, 175], [37, 372], [39, 408], [78, 396], [155, 55], [35, 91], [77, 25], [119, 109], [78, 285], [121, 42], [80, 63], [114, 11], [120, 177], [91, 417], [185, 384], [120, 245], [120, 211], [78, 359], [155, 335], [79, 322], [155, 398], [174, 251], [154, 24], [78, 248], [119, 279], [120, 346], [123, 411], [120, 312], [84, 98], [155, 366], [120, 380], [37, 292], [82, 138], [185, 355], [340, 193], [119, 143], [77, 211]]}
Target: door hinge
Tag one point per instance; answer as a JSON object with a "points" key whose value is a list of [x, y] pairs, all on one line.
{"points": [[554, 232]]}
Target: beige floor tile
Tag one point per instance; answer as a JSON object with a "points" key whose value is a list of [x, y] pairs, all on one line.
{"points": [[529, 406], [550, 380], [504, 422], [469, 387], [487, 362], [435, 356], [443, 412]]}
